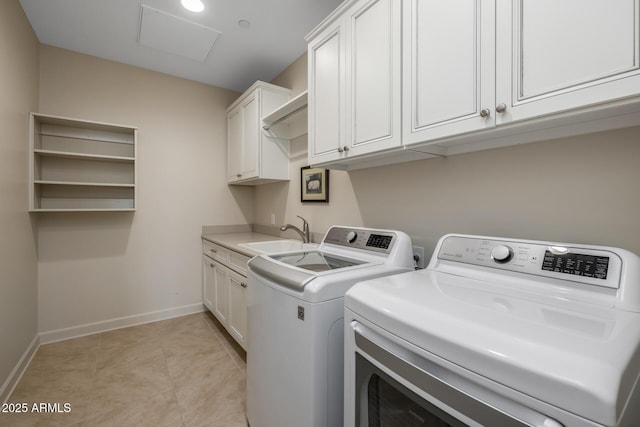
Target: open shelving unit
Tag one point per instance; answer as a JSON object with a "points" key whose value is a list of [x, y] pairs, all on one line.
{"points": [[78, 165], [289, 121]]}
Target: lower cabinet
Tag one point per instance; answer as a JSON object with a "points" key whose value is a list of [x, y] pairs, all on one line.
{"points": [[208, 282], [224, 294], [221, 293], [238, 307]]}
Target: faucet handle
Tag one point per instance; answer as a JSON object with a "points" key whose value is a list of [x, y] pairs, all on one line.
{"points": [[304, 221], [305, 230]]}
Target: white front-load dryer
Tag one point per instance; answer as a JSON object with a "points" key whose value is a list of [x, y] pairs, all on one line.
{"points": [[498, 332]]}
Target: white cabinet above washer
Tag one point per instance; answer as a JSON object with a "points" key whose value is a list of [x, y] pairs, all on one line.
{"points": [[475, 75], [449, 72], [555, 56], [354, 82]]}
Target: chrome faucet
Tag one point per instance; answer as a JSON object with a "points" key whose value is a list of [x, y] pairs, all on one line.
{"points": [[304, 233]]}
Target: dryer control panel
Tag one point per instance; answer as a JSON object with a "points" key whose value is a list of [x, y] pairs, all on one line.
{"points": [[584, 264]]}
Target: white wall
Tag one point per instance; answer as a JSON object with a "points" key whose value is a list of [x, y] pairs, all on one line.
{"points": [[18, 268], [95, 267], [578, 190]]}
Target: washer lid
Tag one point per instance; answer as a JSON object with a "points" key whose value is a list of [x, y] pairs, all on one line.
{"points": [[316, 260], [579, 357], [294, 270]]}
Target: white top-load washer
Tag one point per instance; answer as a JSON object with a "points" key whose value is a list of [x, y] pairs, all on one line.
{"points": [[498, 332], [295, 323]]}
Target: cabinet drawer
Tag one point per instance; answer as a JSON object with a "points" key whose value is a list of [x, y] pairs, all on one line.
{"points": [[238, 262], [216, 252]]}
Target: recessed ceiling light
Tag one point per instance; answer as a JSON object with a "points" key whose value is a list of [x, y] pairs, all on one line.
{"points": [[243, 23], [193, 5]]}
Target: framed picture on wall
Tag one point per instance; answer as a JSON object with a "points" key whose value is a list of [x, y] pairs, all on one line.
{"points": [[314, 184]]}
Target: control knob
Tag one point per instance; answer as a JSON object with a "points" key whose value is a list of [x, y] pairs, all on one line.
{"points": [[501, 253], [352, 236]]}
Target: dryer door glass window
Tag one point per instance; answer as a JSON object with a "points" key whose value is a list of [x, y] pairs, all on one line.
{"points": [[390, 404]]}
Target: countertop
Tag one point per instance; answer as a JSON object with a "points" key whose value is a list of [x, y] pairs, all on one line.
{"points": [[232, 241]]}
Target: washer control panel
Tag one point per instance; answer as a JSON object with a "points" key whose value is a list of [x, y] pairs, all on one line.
{"points": [[371, 240], [588, 265]]}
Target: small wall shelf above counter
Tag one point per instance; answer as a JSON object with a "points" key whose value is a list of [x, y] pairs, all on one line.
{"points": [[288, 121], [79, 165]]}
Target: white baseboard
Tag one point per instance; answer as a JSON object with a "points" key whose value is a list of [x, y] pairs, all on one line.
{"points": [[15, 375], [121, 322]]}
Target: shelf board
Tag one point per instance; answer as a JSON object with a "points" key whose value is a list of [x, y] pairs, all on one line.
{"points": [[290, 120], [87, 137], [84, 210], [71, 155], [80, 183], [66, 127]]}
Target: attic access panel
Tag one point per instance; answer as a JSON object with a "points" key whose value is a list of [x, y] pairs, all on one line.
{"points": [[172, 34]]}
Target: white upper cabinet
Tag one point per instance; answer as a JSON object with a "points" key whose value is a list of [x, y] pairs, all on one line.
{"points": [[476, 74], [252, 136], [355, 81], [373, 76], [234, 144], [471, 65], [254, 157], [449, 73], [555, 56], [326, 95]]}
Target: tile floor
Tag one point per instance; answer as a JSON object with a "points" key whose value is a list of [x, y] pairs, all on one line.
{"points": [[185, 371]]}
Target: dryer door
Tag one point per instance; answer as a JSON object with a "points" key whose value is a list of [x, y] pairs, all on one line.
{"points": [[396, 387]]}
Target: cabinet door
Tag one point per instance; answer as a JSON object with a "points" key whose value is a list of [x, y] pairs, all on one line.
{"points": [[234, 144], [449, 70], [238, 308], [326, 97], [554, 56], [251, 136], [373, 76], [221, 293], [208, 283]]}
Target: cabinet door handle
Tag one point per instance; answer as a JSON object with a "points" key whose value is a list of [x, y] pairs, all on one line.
{"points": [[214, 251], [485, 112], [210, 264], [340, 149], [239, 175], [346, 148], [244, 285], [501, 108]]}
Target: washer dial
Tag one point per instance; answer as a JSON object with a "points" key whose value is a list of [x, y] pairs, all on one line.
{"points": [[501, 253]]}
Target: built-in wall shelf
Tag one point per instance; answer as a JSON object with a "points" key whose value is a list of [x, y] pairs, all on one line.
{"points": [[90, 184], [288, 121], [79, 165], [82, 156]]}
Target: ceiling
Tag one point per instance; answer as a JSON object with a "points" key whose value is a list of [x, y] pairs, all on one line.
{"points": [[111, 29]]}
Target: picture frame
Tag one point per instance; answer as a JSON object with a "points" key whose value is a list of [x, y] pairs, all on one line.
{"points": [[314, 185]]}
